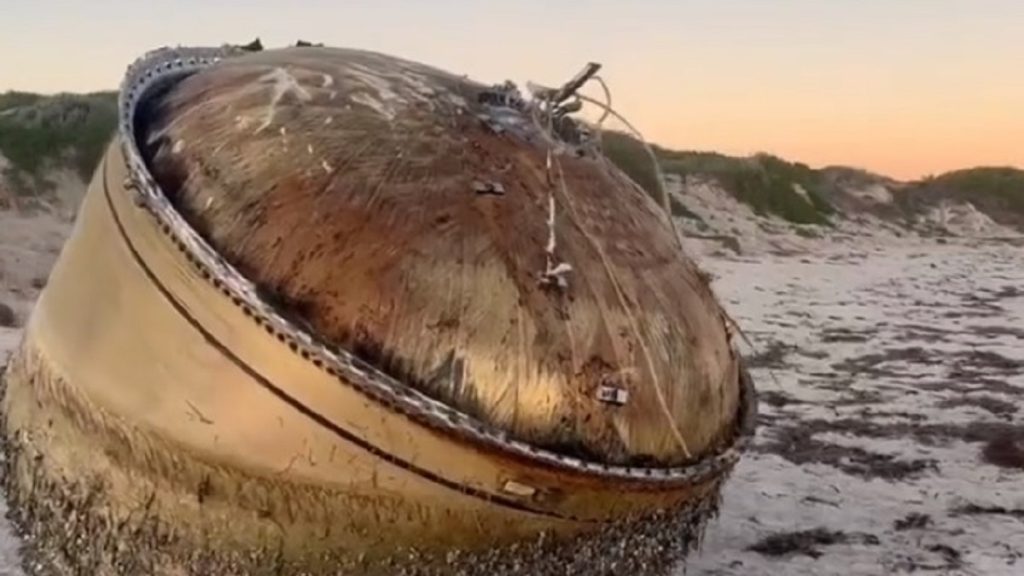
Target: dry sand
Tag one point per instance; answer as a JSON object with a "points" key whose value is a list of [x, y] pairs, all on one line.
{"points": [[29, 245], [885, 370], [883, 377]]}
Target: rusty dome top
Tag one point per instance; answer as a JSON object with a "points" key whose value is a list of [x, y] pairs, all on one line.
{"points": [[433, 227]]}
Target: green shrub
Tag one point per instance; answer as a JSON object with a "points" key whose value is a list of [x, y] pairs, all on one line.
{"points": [[764, 182], [996, 191], [36, 130]]}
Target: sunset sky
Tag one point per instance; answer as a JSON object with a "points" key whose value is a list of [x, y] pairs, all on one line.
{"points": [[902, 87]]}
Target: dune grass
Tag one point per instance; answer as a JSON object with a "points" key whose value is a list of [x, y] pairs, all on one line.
{"points": [[769, 185], [803, 195], [1000, 188], [996, 191], [67, 130]]}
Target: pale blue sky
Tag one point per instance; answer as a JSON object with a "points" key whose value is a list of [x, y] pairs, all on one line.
{"points": [[901, 86]]}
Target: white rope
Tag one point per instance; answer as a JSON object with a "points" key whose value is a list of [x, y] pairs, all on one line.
{"points": [[549, 133]]}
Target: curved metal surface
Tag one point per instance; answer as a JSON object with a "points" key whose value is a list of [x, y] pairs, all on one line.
{"points": [[205, 426], [162, 418], [154, 72]]}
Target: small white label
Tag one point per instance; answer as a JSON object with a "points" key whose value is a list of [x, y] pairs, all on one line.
{"points": [[517, 489], [613, 395]]}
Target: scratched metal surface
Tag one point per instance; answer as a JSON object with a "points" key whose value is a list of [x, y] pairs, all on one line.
{"points": [[376, 202]]}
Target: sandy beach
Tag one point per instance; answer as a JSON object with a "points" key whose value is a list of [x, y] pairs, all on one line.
{"points": [[891, 377], [889, 380]]}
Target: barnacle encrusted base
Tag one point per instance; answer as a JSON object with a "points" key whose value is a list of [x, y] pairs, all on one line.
{"points": [[73, 526]]}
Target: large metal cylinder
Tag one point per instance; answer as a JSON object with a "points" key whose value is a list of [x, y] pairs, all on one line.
{"points": [[331, 312]]}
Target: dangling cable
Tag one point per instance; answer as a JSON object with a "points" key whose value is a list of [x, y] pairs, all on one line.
{"points": [[552, 162], [571, 89], [666, 204]]}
